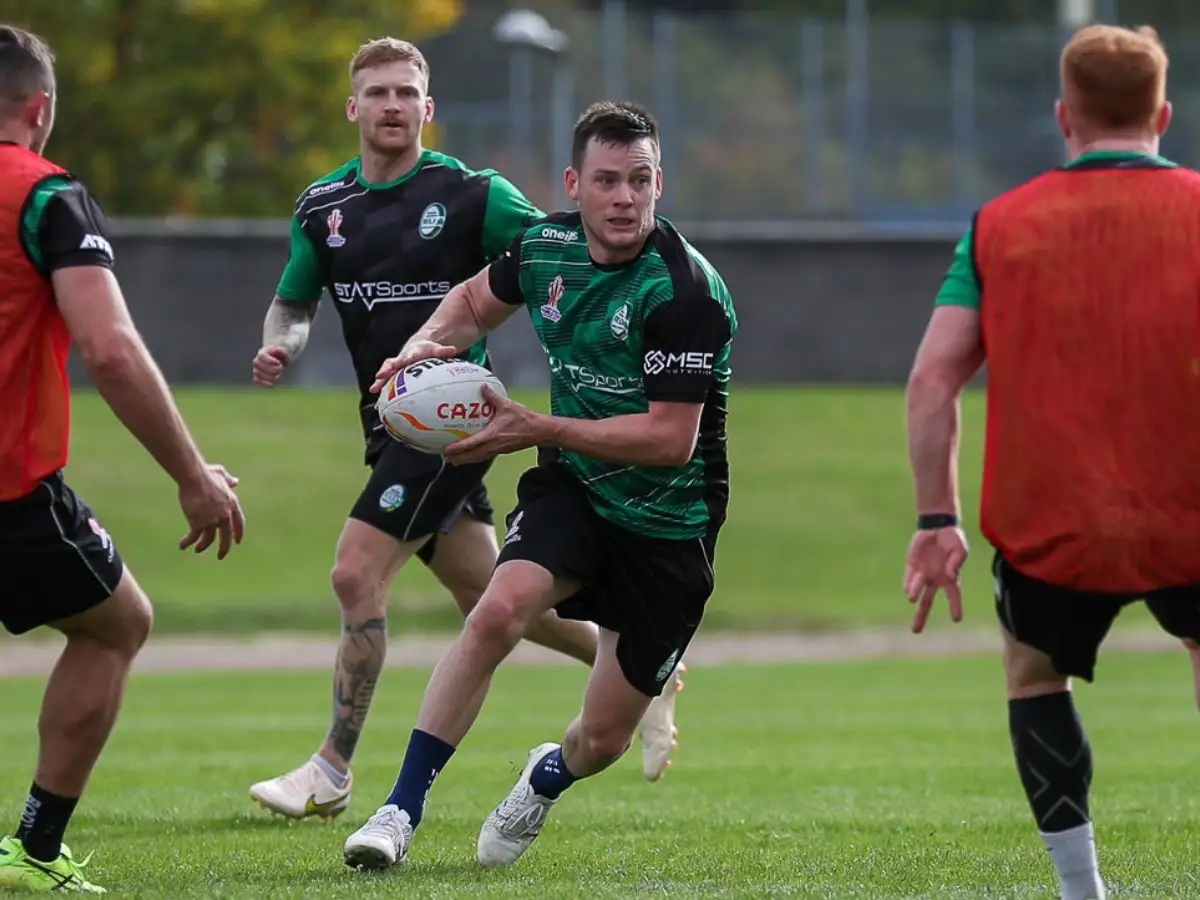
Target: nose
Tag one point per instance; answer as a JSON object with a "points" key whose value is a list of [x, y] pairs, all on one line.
{"points": [[624, 195]]}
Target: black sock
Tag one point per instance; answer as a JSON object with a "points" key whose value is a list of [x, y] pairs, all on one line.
{"points": [[44, 822], [1054, 759]]}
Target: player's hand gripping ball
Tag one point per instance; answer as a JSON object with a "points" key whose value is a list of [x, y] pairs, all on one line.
{"points": [[435, 402]]}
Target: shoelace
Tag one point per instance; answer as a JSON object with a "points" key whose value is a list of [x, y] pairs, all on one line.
{"points": [[387, 819], [514, 804]]}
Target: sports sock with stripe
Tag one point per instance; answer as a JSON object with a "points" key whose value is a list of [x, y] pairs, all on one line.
{"points": [[424, 760]]}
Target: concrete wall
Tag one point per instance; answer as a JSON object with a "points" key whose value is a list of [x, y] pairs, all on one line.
{"points": [[815, 304]]}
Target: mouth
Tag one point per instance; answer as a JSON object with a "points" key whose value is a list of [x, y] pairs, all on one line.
{"points": [[391, 127], [622, 223]]}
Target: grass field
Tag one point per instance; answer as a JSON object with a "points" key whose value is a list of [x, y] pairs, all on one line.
{"points": [[870, 780], [820, 515], [819, 520]]}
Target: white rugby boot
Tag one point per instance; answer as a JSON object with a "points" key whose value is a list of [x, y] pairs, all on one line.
{"points": [[657, 728], [382, 842], [303, 792], [515, 823]]}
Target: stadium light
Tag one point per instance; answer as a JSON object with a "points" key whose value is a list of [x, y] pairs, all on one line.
{"points": [[526, 32]]}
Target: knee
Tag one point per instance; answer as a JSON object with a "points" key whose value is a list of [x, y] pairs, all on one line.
{"points": [[496, 621], [1032, 676], [126, 631], [139, 623], [356, 583], [605, 741]]}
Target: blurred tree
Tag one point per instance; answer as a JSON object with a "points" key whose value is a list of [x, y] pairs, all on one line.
{"points": [[209, 107]]}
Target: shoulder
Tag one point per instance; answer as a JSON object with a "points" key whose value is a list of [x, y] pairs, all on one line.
{"points": [[327, 188], [62, 191], [433, 161], [689, 273]]}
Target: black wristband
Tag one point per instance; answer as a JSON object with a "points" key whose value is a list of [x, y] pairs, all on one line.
{"points": [[936, 520]]}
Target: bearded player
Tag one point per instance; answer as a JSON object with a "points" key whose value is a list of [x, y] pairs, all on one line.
{"points": [[387, 235]]}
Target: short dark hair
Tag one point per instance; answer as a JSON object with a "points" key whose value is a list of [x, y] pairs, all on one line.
{"points": [[26, 64], [612, 123]]}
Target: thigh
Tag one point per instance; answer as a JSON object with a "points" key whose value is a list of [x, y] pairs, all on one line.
{"points": [[655, 592], [476, 511], [463, 558], [58, 561], [1177, 611], [1067, 625], [411, 495], [553, 526]]}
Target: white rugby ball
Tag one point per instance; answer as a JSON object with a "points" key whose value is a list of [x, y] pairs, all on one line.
{"points": [[435, 402]]}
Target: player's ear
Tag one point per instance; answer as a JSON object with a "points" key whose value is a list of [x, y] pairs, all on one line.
{"points": [[1064, 120], [571, 183], [351, 109], [1164, 118], [430, 106], [37, 110], [658, 182]]}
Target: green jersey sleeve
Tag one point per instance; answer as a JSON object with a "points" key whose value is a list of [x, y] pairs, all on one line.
{"points": [[961, 286], [508, 214], [302, 280]]}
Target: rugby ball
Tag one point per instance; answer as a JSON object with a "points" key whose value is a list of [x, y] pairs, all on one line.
{"points": [[435, 402]]}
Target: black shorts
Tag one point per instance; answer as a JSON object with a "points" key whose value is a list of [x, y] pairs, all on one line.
{"points": [[411, 495], [1069, 625], [651, 591], [56, 559]]}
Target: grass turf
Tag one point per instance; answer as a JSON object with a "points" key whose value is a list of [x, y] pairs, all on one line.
{"points": [[878, 779], [820, 513]]}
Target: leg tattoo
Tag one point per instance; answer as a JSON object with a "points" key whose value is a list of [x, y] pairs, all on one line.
{"points": [[359, 662]]}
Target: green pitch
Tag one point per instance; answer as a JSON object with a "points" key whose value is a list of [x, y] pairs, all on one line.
{"points": [[820, 516], [870, 780]]}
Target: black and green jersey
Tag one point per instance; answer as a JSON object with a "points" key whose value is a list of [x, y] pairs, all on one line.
{"points": [[62, 226], [658, 328], [388, 253]]}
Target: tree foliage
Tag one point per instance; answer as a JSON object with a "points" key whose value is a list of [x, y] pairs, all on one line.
{"points": [[209, 107]]}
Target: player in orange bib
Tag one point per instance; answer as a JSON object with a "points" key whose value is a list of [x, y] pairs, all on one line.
{"points": [[1080, 290], [60, 567]]}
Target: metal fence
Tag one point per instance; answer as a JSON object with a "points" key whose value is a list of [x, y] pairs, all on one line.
{"points": [[781, 117]]}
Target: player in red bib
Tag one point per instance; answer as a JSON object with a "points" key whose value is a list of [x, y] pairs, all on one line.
{"points": [[60, 567], [1079, 289]]}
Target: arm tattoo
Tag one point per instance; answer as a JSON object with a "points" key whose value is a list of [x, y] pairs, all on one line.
{"points": [[359, 662], [287, 326]]}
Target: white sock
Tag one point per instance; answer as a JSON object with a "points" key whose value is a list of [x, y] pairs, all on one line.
{"points": [[1074, 855], [339, 779]]}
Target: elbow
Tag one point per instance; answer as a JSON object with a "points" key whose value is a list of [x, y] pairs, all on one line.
{"points": [[673, 451], [109, 356], [926, 385]]}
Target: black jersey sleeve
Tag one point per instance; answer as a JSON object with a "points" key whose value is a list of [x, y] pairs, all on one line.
{"points": [[504, 274], [65, 227], [681, 340]]}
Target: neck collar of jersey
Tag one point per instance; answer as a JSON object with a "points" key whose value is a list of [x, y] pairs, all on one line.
{"points": [[383, 186], [1117, 159]]}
